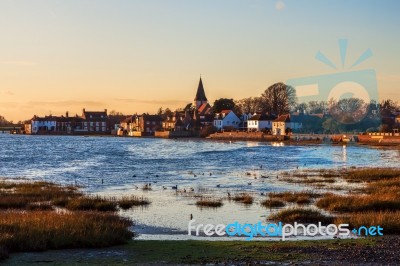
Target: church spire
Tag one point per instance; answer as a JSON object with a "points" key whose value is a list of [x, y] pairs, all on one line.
{"points": [[200, 95]]}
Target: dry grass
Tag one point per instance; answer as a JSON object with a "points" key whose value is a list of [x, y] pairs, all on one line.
{"points": [[273, 203], [302, 197], [128, 202], [41, 230], [371, 174], [91, 203], [357, 203], [23, 195], [28, 221], [244, 198], [388, 220], [212, 203], [301, 215]]}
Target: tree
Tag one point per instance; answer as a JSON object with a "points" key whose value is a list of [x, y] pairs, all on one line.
{"points": [[317, 107], [387, 109], [348, 110], [223, 104], [278, 99], [4, 122], [115, 113], [249, 105], [331, 126]]}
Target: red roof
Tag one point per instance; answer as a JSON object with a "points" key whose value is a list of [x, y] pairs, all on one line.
{"points": [[283, 118], [226, 111]]}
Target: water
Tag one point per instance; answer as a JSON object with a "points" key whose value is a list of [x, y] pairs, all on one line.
{"points": [[123, 164]]}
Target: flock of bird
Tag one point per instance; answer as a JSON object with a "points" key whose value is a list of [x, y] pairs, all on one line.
{"points": [[148, 186]]}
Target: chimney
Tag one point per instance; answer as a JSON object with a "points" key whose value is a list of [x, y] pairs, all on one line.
{"points": [[66, 114], [83, 110], [105, 110]]}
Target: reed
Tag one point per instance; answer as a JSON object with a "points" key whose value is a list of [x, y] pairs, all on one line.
{"points": [[209, 202], [301, 215], [126, 203]]}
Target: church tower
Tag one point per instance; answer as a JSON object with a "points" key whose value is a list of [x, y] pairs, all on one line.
{"points": [[200, 96]]}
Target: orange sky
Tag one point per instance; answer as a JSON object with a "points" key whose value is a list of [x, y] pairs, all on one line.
{"points": [[137, 56]]}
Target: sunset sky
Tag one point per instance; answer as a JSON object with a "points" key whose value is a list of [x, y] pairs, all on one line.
{"points": [[136, 56]]}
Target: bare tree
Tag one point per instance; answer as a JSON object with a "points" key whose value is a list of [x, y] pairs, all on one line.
{"points": [[278, 99], [249, 105]]}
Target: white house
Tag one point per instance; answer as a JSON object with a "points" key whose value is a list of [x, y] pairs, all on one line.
{"points": [[226, 119], [284, 124], [47, 123], [260, 122]]}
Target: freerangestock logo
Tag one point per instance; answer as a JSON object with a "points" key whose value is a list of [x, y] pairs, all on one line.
{"points": [[279, 230]]}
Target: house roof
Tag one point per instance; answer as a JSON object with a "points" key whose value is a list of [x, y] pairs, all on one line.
{"points": [[283, 118], [205, 108], [156, 118], [200, 95], [226, 111], [262, 117]]}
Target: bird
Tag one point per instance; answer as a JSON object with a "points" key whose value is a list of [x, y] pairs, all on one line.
{"points": [[191, 216], [262, 193], [134, 176], [175, 187], [195, 175], [249, 183], [218, 185], [229, 194], [260, 166], [156, 175], [264, 176], [164, 187], [210, 174]]}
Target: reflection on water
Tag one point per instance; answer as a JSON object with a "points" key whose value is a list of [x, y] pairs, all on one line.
{"points": [[216, 167]]}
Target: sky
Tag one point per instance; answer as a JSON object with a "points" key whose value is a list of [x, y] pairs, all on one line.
{"points": [[136, 56]]}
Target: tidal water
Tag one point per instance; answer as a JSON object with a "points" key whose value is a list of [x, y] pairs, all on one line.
{"points": [[121, 166]]}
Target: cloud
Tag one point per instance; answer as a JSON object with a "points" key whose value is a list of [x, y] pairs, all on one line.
{"points": [[279, 5], [7, 92], [159, 102], [18, 63]]}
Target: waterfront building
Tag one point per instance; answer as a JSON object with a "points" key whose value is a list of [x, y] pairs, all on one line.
{"points": [[260, 122], [226, 119]]}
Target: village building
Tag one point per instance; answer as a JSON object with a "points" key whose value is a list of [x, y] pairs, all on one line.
{"points": [[226, 119], [88, 123], [260, 122], [174, 122], [148, 124], [286, 124], [203, 113]]}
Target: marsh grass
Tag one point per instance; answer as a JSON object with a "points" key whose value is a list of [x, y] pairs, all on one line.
{"points": [[273, 203], [388, 220], [302, 197], [41, 230], [371, 174], [91, 203], [357, 203], [29, 220], [126, 203], [301, 215], [209, 202], [244, 198]]}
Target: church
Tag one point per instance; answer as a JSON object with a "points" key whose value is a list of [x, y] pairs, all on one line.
{"points": [[202, 114]]}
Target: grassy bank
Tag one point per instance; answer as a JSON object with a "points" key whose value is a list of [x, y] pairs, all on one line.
{"points": [[36, 216], [213, 252]]}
